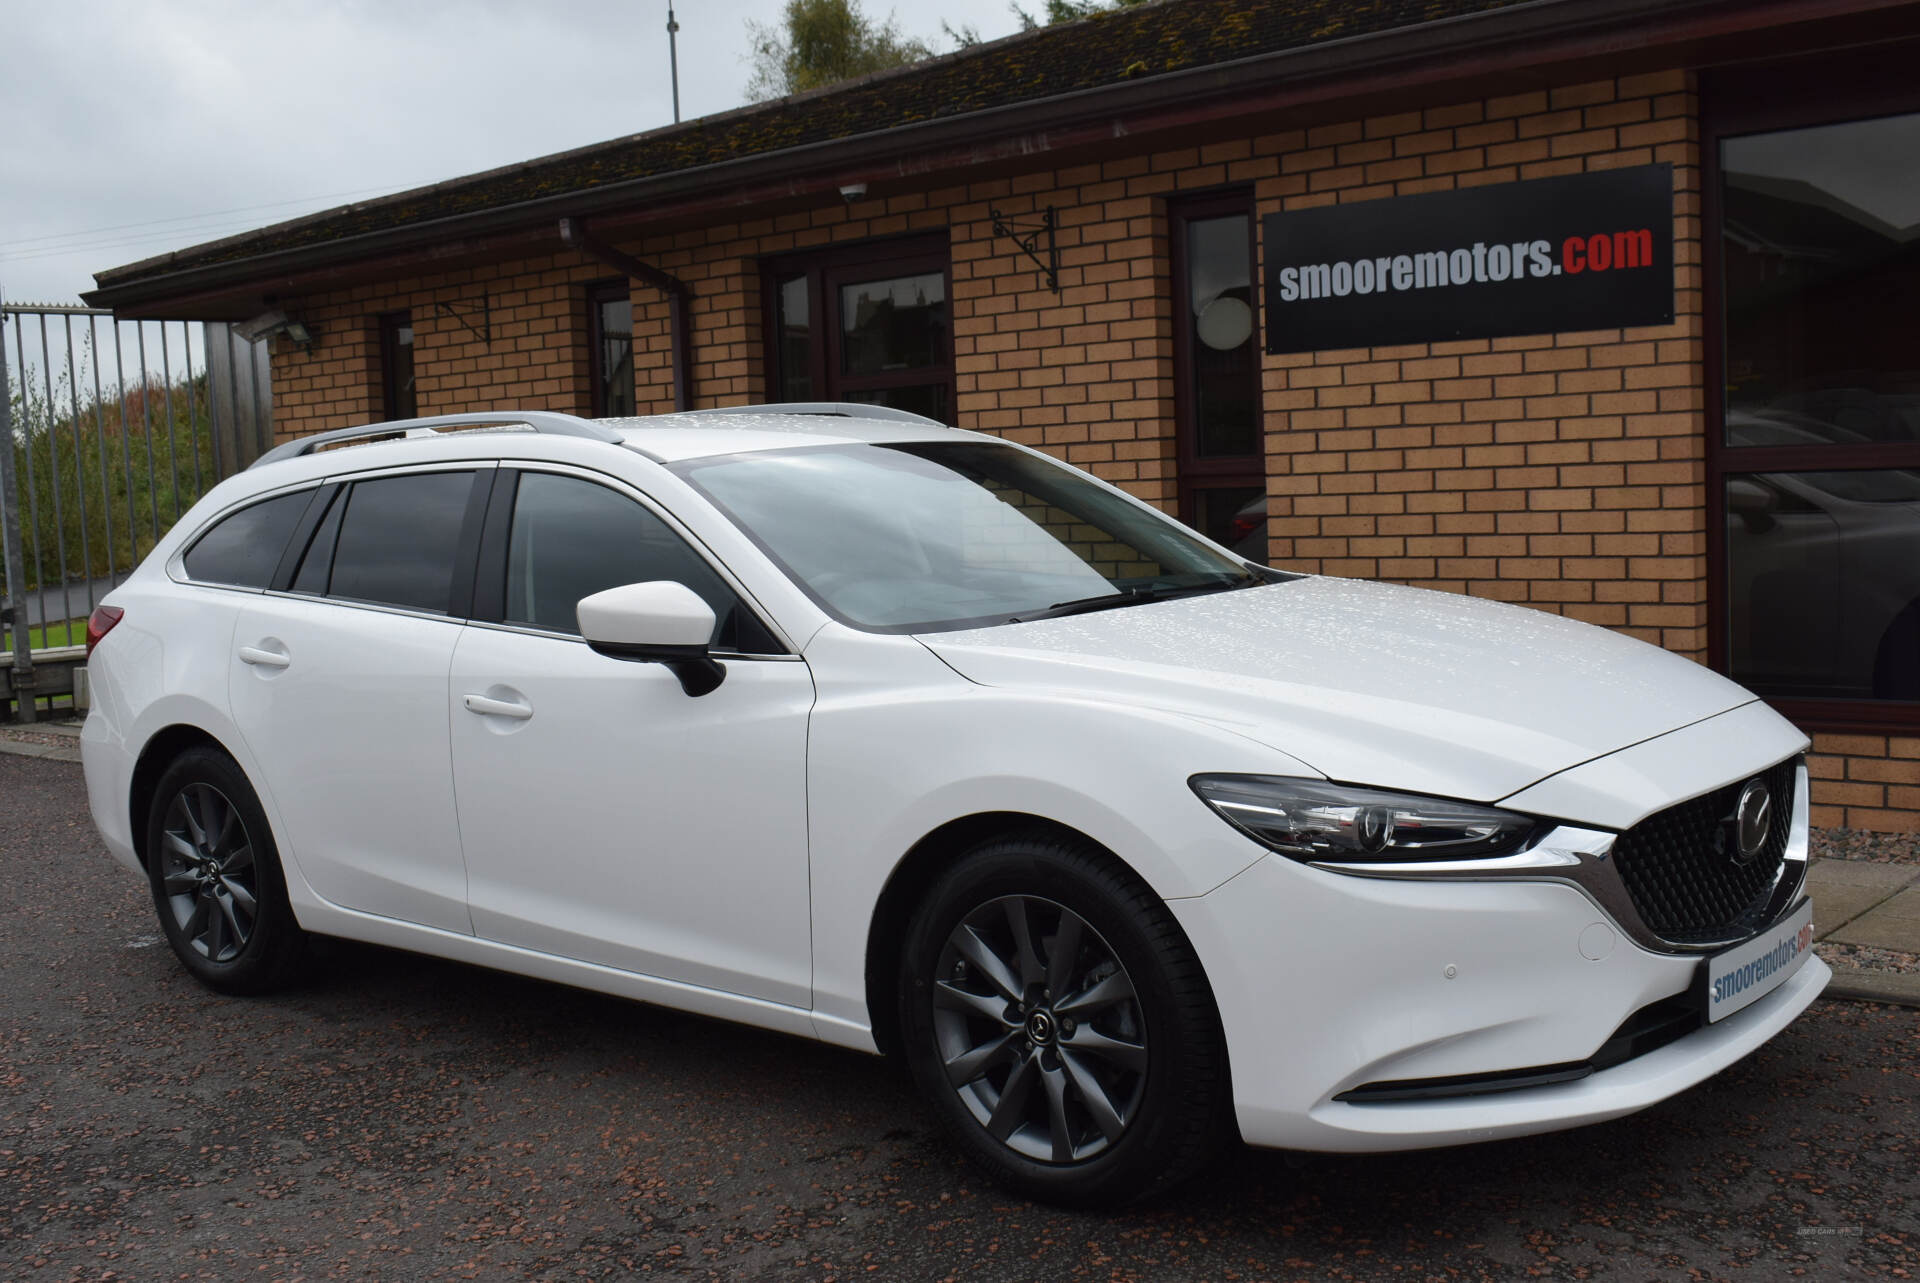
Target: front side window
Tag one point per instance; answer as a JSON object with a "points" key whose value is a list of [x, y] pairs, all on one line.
{"points": [[917, 538], [244, 549], [610, 327], [572, 538], [396, 542], [864, 323], [1819, 467], [1217, 372]]}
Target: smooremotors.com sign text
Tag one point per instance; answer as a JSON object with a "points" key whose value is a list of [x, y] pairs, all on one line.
{"points": [[1581, 252]]}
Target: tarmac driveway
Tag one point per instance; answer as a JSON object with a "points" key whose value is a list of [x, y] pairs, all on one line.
{"points": [[404, 1118]]}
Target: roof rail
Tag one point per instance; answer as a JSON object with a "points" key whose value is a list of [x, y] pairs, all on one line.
{"points": [[543, 421], [842, 409]]}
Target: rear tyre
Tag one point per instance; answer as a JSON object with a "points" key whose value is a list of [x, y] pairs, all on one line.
{"points": [[216, 879], [1057, 1020]]}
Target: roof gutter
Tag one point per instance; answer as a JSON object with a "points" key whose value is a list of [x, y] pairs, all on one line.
{"points": [[573, 232], [1537, 32]]}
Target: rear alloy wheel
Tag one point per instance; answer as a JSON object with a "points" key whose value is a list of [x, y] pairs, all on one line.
{"points": [[216, 880], [1056, 1018], [207, 871]]}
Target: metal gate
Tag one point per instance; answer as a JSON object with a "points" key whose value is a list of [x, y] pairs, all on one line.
{"points": [[109, 430]]}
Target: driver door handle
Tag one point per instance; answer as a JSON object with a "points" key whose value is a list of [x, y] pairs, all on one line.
{"points": [[487, 707]]}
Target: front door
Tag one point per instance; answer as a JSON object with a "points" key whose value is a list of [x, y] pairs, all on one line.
{"points": [[606, 815]]}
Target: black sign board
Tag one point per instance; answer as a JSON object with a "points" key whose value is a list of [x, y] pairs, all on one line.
{"points": [[1583, 252]]}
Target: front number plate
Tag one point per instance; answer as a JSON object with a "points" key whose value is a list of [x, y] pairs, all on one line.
{"points": [[1750, 971]]}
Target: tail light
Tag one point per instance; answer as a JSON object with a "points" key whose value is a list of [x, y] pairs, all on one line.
{"points": [[100, 623], [1242, 526]]}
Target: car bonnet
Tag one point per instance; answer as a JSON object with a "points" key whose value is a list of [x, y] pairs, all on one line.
{"points": [[1371, 683]]}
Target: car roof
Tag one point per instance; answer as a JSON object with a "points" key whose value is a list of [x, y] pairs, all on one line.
{"points": [[672, 438], [665, 438]]}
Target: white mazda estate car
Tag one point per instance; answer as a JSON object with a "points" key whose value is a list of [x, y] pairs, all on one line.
{"points": [[835, 721]]}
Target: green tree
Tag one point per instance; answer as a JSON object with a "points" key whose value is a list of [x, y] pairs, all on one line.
{"points": [[1070, 11], [821, 42]]}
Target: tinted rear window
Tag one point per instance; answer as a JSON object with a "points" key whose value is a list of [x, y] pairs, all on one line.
{"points": [[398, 540], [244, 549]]}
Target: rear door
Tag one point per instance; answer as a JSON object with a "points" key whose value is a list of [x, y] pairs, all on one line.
{"points": [[339, 683], [607, 815]]}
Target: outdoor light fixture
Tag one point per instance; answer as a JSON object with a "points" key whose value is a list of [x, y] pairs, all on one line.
{"points": [[270, 323]]}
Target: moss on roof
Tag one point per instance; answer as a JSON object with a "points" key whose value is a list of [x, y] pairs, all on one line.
{"points": [[1127, 45]]}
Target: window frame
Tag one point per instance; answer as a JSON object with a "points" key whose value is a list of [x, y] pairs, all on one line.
{"points": [[302, 531], [607, 290], [826, 270], [488, 583], [1193, 472], [338, 490], [1763, 98], [390, 325]]}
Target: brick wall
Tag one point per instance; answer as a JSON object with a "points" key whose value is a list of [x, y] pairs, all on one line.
{"points": [[537, 359], [1565, 472], [1866, 782]]}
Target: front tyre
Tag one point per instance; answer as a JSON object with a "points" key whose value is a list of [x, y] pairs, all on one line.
{"points": [[1058, 1021], [216, 880]]}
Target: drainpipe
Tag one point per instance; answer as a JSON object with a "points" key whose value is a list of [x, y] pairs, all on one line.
{"points": [[573, 232]]}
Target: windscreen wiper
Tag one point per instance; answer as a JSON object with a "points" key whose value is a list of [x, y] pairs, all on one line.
{"points": [[1134, 596]]}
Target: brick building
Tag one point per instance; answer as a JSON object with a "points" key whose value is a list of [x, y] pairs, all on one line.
{"points": [[1061, 237]]}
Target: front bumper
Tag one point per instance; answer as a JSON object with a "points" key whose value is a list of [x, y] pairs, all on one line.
{"points": [[1328, 982]]}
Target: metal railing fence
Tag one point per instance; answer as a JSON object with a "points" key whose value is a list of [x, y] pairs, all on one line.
{"points": [[109, 430]]}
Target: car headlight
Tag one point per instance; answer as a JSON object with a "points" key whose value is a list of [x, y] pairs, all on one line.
{"points": [[1315, 820]]}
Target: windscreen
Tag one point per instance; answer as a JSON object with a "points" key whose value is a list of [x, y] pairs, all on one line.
{"points": [[924, 537]]}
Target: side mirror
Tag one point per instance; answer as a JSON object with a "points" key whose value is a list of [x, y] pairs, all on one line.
{"points": [[1753, 503], [661, 622]]}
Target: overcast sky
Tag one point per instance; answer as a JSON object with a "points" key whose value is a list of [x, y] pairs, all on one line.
{"points": [[129, 129]]}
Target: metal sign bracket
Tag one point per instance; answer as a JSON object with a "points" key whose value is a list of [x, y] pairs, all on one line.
{"points": [[1026, 233], [465, 311]]}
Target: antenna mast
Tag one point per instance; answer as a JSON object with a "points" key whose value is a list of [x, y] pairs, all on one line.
{"points": [[673, 59]]}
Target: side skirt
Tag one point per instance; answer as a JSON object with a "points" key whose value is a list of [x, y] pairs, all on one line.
{"points": [[351, 924]]}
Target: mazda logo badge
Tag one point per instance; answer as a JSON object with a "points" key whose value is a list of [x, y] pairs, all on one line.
{"points": [[1752, 818]]}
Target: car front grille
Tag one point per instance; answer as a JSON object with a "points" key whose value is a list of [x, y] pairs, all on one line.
{"points": [[1679, 866]]}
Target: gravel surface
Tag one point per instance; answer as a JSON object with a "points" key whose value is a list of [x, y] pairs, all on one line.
{"points": [[53, 739], [402, 1118], [1859, 844], [1866, 958]]}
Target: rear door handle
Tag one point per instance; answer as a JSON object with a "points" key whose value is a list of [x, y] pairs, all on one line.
{"points": [[487, 707], [262, 658]]}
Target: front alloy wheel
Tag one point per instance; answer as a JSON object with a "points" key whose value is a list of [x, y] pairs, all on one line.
{"points": [[1059, 1024], [1040, 1030]]}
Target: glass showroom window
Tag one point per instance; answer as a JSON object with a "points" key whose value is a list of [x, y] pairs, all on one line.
{"points": [[1818, 466], [610, 345], [1223, 480], [865, 323]]}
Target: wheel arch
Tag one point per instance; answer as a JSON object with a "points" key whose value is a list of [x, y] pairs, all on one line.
{"points": [[908, 883], [161, 749]]}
